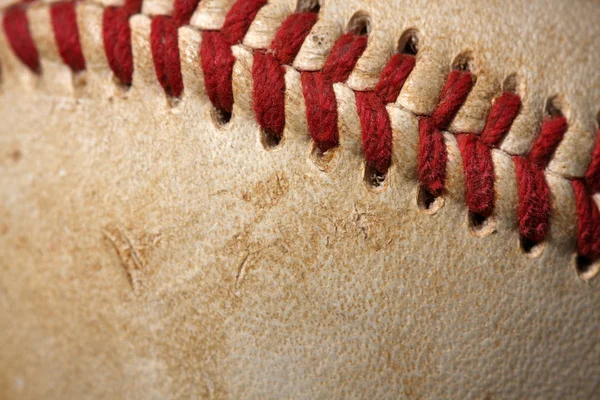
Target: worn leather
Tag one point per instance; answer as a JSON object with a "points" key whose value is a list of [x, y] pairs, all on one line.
{"points": [[146, 251]]}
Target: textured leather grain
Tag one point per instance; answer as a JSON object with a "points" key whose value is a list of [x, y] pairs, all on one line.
{"points": [[146, 251]]}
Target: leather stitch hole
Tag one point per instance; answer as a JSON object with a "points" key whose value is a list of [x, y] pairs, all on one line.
{"points": [[409, 42], [374, 180], [512, 84], [427, 202], [322, 160], [220, 117], [555, 106], [304, 6], [586, 269], [480, 225], [269, 140], [464, 62], [360, 24], [530, 248]]}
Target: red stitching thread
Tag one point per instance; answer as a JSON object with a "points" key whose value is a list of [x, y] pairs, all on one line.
{"points": [[217, 63], [268, 90], [164, 41], [16, 27], [534, 194], [66, 33], [374, 118], [216, 55], [317, 87], [116, 35], [432, 148], [477, 157]]}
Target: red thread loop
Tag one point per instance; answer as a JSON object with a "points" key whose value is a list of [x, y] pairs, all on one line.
{"points": [[216, 56], [239, 18], [432, 148], [534, 200], [183, 10], [291, 35], [500, 119], [477, 157], [321, 104], [344, 55], [376, 131], [321, 109], [592, 177], [16, 27], [534, 194], [116, 35], [552, 131], [268, 92], [165, 53], [66, 32], [393, 76], [374, 118], [588, 228], [479, 174], [164, 40]]}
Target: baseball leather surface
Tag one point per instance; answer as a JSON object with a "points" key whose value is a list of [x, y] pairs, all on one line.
{"points": [[299, 227]]}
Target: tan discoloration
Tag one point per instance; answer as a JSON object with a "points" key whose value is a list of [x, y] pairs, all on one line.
{"points": [[274, 275]]}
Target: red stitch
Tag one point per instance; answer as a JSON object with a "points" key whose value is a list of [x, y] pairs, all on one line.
{"points": [[291, 35], [217, 64], [116, 35], [393, 76], [534, 200], [165, 54], [479, 174], [455, 92], [376, 131], [16, 27], [183, 10], [216, 56], [552, 131], [133, 6], [164, 41], [66, 32], [321, 109], [268, 75], [503, 113], [432, 157], [592, 177], [588, 228], [239, 18], [321, 104], [345, 53], [432, 148], [269, 93]]}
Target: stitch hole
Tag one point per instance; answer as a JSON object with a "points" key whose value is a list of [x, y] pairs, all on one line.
{"points": [[219, 116], [554, 106], [312, 6], [268, 139], [586, 268], [374, 179], [322, 160], [360, 24], [409, 42], [532, 248], [427, 202], [511, 84], [464, 62], [480, 225]]}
